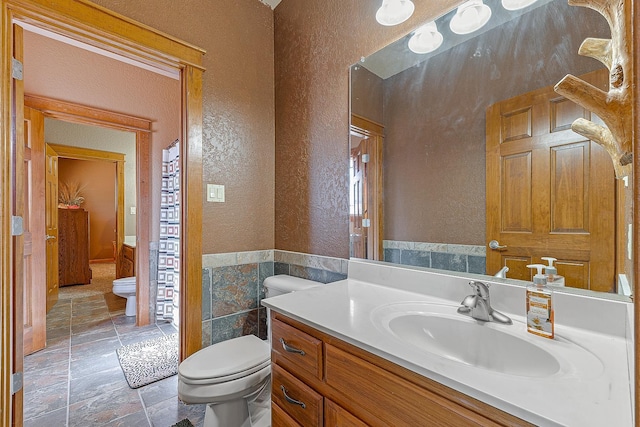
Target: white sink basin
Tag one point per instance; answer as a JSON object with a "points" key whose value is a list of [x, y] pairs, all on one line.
{"points": [[437, 329]]}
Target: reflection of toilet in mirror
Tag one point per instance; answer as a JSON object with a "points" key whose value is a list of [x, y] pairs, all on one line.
{"points": [[231, 375], [126, 288]]}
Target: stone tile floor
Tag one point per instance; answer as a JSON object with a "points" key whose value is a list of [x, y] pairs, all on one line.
{"points": [[77, 380]]}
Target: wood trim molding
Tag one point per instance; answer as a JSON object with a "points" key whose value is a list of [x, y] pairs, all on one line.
{"points": [[88, 23], [191, 224], [366, 125], [82, 153], [635, 138], [75, 113]]}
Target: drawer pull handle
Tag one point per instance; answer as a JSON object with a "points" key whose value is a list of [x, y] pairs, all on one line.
{"points": [[290, 349], [290, 400]]}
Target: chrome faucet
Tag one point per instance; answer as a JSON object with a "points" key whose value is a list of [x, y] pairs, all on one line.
{"points": [[478, 305], [502, 273]]}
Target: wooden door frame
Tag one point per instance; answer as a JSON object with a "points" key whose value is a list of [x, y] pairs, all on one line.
{"points": [[141, 128], [363, 127], [82, 153], [88, 23]]}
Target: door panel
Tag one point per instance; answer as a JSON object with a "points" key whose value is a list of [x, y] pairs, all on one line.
{"points": [[51, 221], [550, 192], [35, 283]]}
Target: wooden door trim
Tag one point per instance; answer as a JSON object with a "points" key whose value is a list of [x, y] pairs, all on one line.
{"points": [[34, 336], [80, 153], [635, 182], [76, 113], [362, 126], [86, 22]]}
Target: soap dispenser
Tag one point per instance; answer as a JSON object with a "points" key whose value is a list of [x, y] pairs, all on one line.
{"points": [[540, 305], [553, 278]]}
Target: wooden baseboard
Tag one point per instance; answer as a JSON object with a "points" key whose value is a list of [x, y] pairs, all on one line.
{"points": [[101, 261]]}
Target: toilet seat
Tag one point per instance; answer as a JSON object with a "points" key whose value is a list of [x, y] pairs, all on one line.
{"points": [[226, 361], [125, 284]]}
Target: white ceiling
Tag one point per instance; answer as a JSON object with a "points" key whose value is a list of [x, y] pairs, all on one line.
{"points": [[272, 3]]}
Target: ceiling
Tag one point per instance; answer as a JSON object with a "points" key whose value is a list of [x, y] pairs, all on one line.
{"points": [[272, 3]]}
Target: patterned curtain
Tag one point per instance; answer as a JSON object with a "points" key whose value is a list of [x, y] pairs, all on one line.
{"points": [[168, 299]]}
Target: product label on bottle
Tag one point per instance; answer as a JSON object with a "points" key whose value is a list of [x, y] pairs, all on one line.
{"points": [[539, 314]]}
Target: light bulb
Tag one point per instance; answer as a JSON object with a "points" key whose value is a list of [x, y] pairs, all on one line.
{"points": [[393, 12], [425, 39], [470, 17]]}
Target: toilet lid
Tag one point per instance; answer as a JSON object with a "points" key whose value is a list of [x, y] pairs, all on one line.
{"points": [[226, 361], [125, 281]]}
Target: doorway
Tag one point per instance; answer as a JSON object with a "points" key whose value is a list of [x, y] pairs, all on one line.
{"points": [[121, 36]]}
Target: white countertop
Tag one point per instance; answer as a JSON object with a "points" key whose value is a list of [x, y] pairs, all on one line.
{"points": [[570, 398]]}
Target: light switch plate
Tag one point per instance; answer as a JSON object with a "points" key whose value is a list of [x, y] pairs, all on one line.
{"points": [[215, 193], [133, 210]]}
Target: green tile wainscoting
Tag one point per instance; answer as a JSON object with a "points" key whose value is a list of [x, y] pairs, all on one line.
{"points": [[232, 288]]}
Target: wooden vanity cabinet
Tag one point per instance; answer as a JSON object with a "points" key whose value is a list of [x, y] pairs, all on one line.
{"points": [[127, 267], [342, 385]]}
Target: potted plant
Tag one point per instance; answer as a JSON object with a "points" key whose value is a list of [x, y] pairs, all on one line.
{"points": [[70, 195]]}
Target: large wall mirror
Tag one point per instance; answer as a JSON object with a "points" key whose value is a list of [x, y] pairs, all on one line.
{"points": [[429, 185]]}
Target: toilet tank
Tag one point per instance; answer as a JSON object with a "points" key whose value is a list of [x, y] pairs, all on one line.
{"points": [[283, 284]]}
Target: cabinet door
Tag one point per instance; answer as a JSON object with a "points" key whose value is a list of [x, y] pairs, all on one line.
{"points": [[335, 415], [297, 399], [279, 418], [391, 399]]}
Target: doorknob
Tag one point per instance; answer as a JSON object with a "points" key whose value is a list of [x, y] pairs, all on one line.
{"points": [[496, 246], [49, 237]]}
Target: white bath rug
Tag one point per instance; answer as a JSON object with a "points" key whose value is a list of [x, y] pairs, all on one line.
{"points": [[149, 361]]}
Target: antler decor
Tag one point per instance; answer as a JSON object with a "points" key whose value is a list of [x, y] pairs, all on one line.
{"points": [[614, 106]]}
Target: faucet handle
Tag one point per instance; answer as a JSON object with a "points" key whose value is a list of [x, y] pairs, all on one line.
{"points": [[480, 288]]}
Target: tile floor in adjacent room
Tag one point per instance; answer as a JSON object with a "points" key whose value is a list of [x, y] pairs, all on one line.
{"points": [[77, 380]]}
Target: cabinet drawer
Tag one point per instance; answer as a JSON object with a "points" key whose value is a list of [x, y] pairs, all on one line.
{"points": [[128, 252], [297, 399], [298, 350], [279, 418]]}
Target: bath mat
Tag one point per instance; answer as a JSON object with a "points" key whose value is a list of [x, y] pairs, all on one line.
{"points": [[149, 361], [183, 423]]}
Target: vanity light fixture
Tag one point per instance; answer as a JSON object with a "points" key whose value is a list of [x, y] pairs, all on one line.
{"points": [[517, 4], [425, 39], [393, 12], [470, 17]]}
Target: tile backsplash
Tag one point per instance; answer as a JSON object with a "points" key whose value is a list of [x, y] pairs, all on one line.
{"points": [[232, 288], [443, 256]]}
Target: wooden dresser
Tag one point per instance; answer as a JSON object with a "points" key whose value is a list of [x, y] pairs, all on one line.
{"points": [[73, 247]]}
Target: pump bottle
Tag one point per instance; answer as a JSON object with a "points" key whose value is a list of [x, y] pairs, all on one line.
{"points": [[553, 278], [540, 305]]}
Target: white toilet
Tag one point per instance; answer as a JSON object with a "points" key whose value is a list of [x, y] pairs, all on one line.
{"points": [[230, 374], [126, 288]]}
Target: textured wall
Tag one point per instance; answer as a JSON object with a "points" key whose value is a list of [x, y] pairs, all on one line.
{"points": [[435, 124], [316, 41], [238, 102]]}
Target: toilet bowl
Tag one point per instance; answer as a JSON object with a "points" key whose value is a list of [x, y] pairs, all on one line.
{"points": [[227, 376], [126, 288]]}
